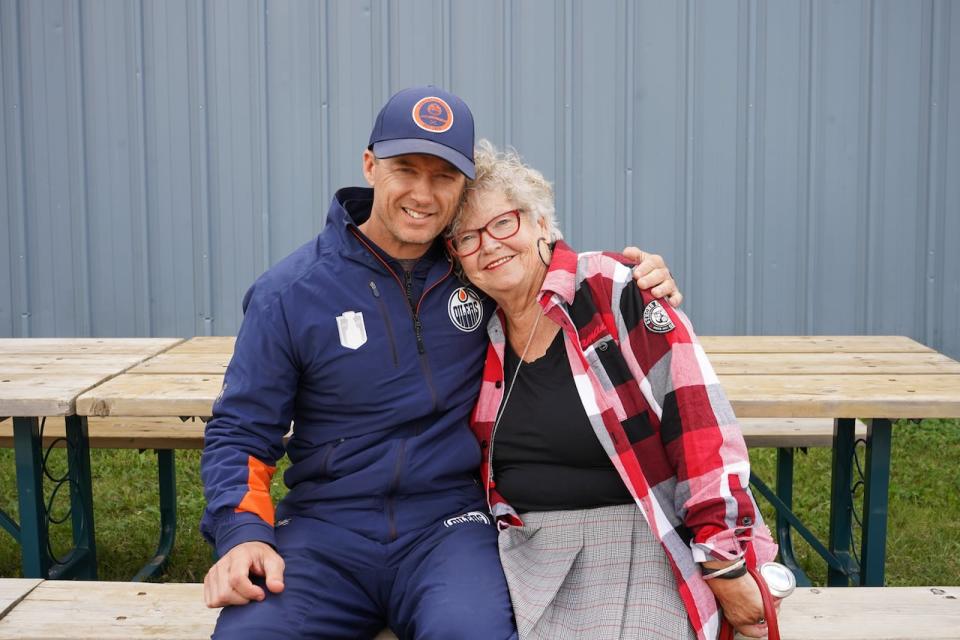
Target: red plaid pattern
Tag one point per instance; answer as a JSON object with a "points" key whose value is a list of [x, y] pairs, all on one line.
{"points": [[659, 412]]}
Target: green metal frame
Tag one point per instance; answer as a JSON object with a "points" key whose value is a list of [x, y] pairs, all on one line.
{"points": [[876, 499], [34, 532], [843, 567], [167, 478], [28, 452], [10, 526]]}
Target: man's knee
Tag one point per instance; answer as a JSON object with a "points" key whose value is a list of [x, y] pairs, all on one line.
{"points": [[267, 619], [456, 588], [466, 619]]}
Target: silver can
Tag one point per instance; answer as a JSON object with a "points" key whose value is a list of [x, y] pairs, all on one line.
{"points": [[779, 579]]}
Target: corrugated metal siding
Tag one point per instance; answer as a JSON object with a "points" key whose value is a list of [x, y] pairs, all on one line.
{"points": [[795, 161]]}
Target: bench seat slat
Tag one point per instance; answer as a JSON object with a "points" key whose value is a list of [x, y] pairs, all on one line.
{"points": [[173, 433], [108, 610]]}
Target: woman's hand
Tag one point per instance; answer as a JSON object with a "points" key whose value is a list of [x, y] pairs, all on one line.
{"points": [[742, 604], [652, 273]]}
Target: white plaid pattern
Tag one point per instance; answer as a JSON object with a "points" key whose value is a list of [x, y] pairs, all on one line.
{"points": [[591, 574]]}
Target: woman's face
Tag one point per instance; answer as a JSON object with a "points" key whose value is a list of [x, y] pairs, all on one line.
{"points": [[502, 267]]}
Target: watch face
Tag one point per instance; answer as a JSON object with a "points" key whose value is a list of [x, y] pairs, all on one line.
{"points": [[779, 579]]}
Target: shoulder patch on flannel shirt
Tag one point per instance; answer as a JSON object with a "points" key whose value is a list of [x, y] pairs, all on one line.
{"points": [[656, 319]]}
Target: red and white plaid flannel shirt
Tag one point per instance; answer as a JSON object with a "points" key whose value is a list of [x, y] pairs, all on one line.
{"points": [[658, 411]]}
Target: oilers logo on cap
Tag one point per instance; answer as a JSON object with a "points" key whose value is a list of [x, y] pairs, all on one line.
{"points": [[465, 309], [433, 114]]}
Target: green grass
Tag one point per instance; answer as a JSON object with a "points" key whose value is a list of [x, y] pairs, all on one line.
{"points": [[923, 541]]}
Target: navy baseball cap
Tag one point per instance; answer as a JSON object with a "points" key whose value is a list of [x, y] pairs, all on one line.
{"points": [[425, 120]]}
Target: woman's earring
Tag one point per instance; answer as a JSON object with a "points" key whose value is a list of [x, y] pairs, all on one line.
{"points": [[546, 263]]}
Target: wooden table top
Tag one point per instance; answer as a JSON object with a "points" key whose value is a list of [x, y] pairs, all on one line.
{"points": [[12, 590], [764, 376], [44, 376]]}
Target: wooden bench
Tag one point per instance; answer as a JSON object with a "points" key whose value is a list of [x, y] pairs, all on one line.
{"points": [[165, 435], [173, 433], [123, 433], [33, 609]]}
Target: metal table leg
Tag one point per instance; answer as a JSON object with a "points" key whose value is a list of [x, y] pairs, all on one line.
{"points": [[166, 471], [833, 562], [81, 500], [33, 513], [785, 493], [841, 501], [875, 502]]}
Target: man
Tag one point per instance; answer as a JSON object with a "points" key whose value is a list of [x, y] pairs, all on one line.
{"points": [[365, 340]]}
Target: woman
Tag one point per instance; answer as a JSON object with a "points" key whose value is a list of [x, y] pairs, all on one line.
{"points": [[612, 460]]}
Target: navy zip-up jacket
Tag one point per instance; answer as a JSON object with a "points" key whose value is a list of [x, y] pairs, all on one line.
{"points": [[378, 372]]}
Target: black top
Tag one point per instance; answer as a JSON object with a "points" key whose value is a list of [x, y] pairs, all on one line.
{"points": [[546, 456]]}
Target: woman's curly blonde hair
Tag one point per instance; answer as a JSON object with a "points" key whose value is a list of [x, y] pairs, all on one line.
{"points": [[506, 172]]}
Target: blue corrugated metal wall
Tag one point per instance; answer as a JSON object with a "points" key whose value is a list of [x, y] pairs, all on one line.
{"points": [[791, 159]]}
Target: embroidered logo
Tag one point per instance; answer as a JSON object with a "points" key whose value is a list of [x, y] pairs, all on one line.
{"points": [[656, 319], [465, 309], [283, 523], [433, 114], [472, 516], [353, 334]]}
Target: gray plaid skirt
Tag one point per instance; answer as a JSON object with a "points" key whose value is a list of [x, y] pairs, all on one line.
{"points": [[591, 574]]}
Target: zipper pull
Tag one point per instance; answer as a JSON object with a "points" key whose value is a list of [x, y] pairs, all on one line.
{"points": [[408, 287], [418, 328], [373, 288]]}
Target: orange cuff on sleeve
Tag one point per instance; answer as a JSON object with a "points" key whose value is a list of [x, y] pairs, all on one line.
{"points": [[257, 499]]}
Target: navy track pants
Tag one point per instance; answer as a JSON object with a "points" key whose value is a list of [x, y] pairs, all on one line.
{"points": [[442, 582]]}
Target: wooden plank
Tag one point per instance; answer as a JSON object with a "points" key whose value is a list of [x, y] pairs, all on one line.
{"points": [[134, 346], [57, 610], [207, 344], [52, 391], [769, 396], [152, 395], [46, 363], [12, 590], [188, 363], [123, 433], [811, 344], [23, 394], [176, 361], [109, 610], [874, 613], [712, 344], [174, 433], [844, 396], [789, 432], [830, 363]]}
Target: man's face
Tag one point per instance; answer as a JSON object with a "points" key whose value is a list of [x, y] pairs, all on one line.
{"points": [[414, 198]]}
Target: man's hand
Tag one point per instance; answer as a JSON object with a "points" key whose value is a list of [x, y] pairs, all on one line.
{"points": [[228, 581], [651, 273], [742, 604]]}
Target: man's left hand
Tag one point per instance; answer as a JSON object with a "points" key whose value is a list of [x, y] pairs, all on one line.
{"points": [[652, 273]]}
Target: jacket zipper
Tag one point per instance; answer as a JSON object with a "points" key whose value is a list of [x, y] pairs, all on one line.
{"points": [[390, 502], [417, 326], [407, 288], [386, 321]]}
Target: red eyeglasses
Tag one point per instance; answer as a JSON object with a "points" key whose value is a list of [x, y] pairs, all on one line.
{"points": [[469, 242]]}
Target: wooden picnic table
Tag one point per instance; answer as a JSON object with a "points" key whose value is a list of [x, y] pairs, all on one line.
{"points": [[877, 378], [42, 377]]}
